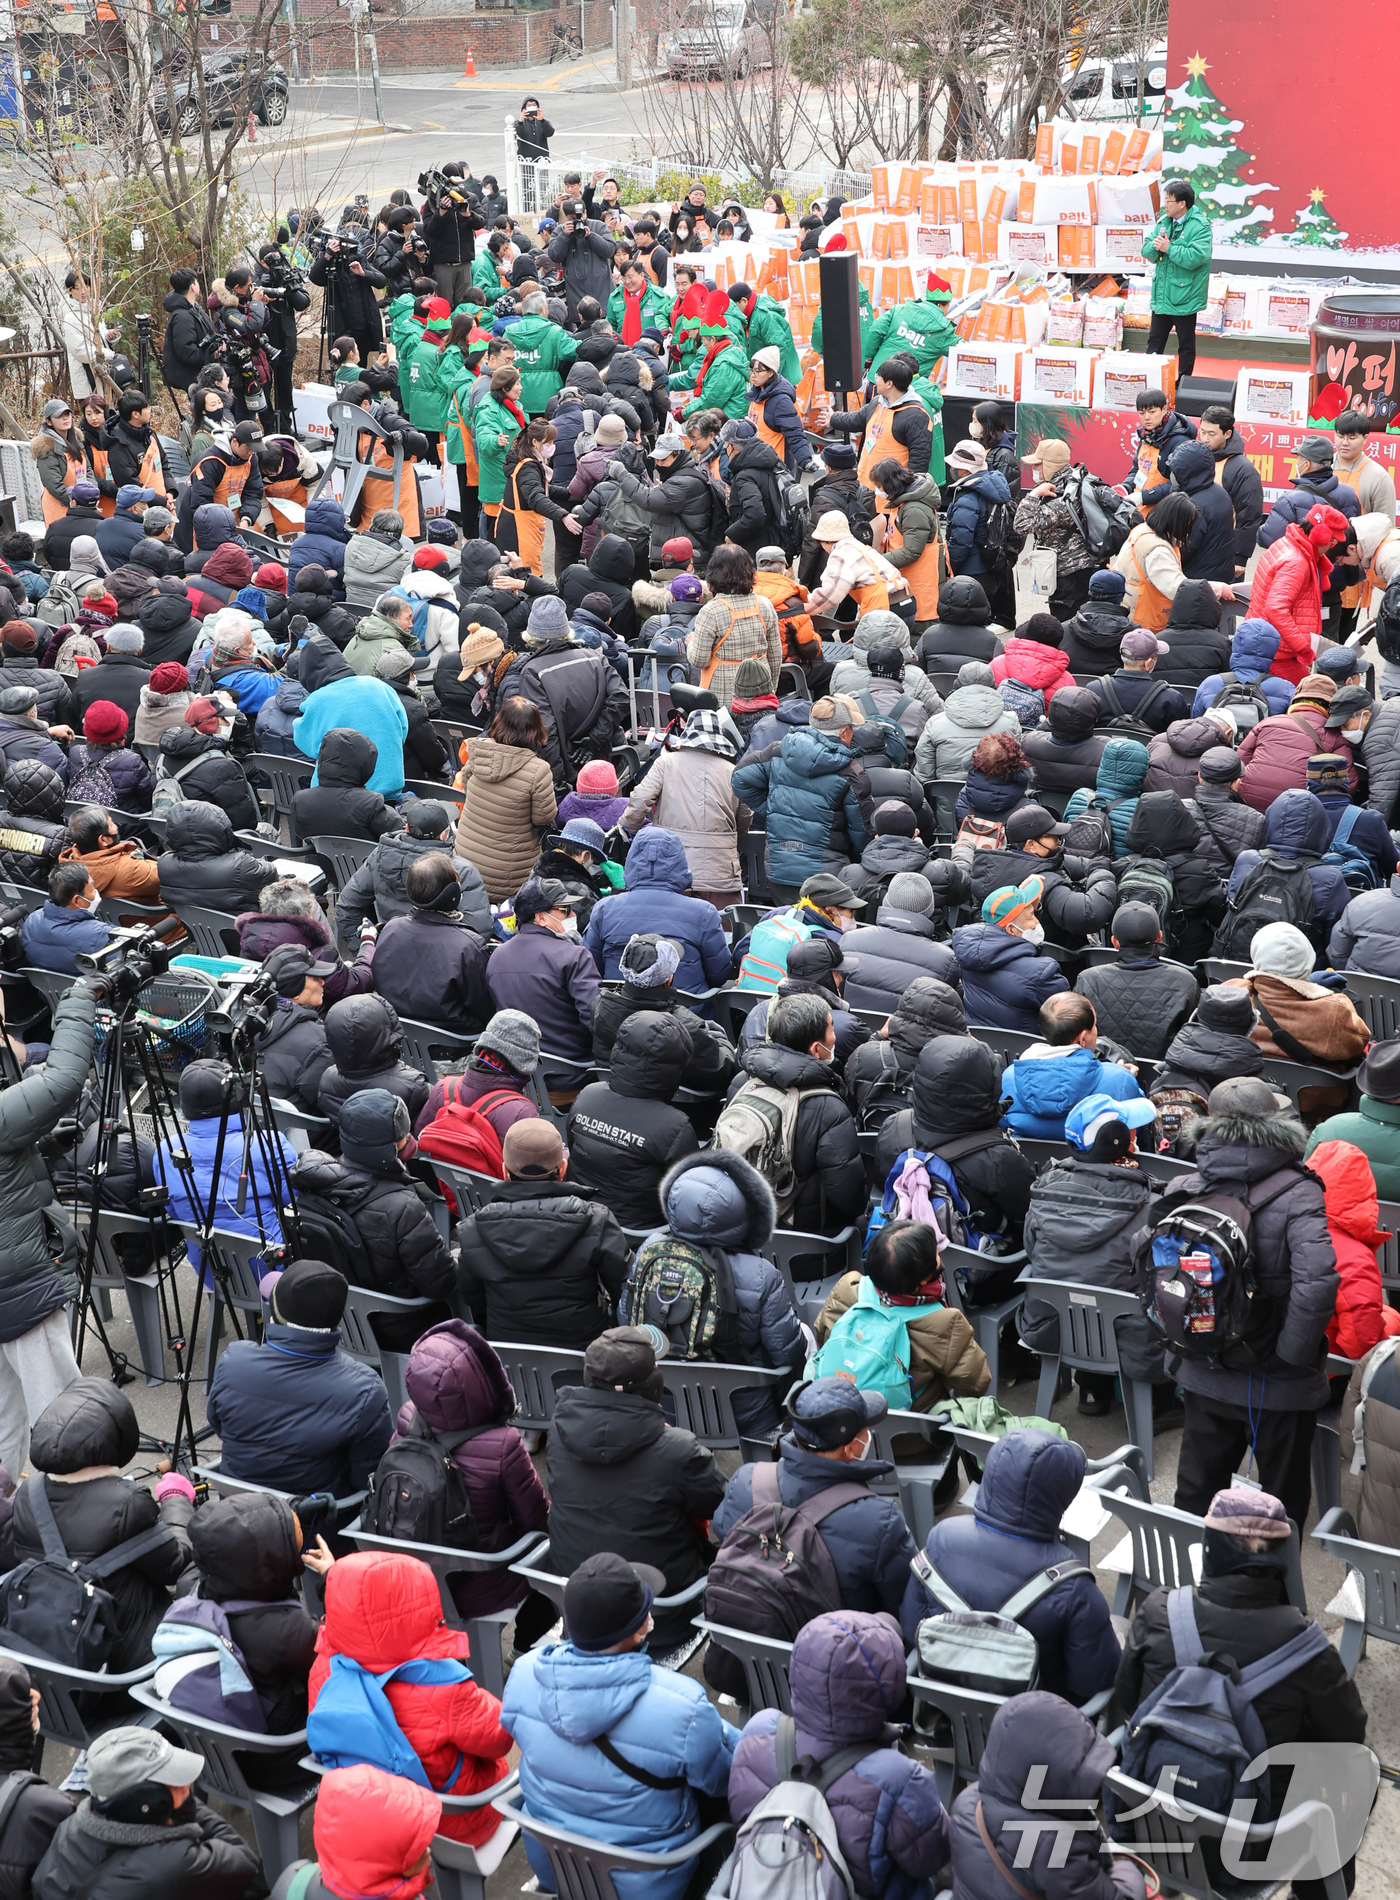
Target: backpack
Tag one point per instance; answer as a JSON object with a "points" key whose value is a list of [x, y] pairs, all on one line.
{"points": [[1176, 1107], [920, 1187], [461, 1133], [55, 1605], [985, 1650], [1027, 702], [760, 1123], [1090, 835], [1198, 1729], [885, 1095], [91, 782], [687, 1293], [329, 1234], [788, 1848], [999, 543], [420, 618], [870, 1344], [168, 790], [1104, 519], [765, 961], [1246, 702], [787, 510], [977, 833], [1196, 1274], [625, 516], [717, 523], [1276, 890], [1358, 872], [418, 1494], [773, 1573], [866, 702], [1149, 881], [1387, 627], [60, 605], [353, 1720], [215, 1685], [1132, 723]]}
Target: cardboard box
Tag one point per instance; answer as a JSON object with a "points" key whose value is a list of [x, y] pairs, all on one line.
{"points": [[985, 370], [1059, 201], [1051, 374], [1288, 307], [1272, 395], [1120, 377]]}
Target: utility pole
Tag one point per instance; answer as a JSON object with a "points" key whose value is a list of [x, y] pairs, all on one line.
{"points": [[623, 16]]}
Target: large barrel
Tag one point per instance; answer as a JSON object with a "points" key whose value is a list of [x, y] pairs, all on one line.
{"points": [[1355, 340]]}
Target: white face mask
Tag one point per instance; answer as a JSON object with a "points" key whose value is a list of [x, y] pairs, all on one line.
{"points": [[845, 921], [1033, 934], [570, 925]]}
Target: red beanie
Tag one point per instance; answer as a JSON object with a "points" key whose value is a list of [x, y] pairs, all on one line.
{"points": [[428, 556], [169, 677], [203, 714], [104, 723], [599, 778], [271, 575]]}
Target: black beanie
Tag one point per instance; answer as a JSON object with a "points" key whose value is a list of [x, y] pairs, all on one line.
{"points": [[894, 819], [310, 1293], [1228, 1007], [606, 1600], [1044, 629]]}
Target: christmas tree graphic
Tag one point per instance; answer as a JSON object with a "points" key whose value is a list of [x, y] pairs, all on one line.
{"points": [[1200, 135], [1315, 225]]}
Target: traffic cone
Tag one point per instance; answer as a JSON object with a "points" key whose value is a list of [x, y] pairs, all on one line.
{"points": [[469, 70]]}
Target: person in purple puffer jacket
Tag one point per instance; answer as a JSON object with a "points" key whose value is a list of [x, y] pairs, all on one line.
{"points": [[456, 1383], [290, 913], [594, 796], [847, 1682]]}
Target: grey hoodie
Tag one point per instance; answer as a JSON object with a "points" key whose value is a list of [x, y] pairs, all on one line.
{"points": [[372, 566]]}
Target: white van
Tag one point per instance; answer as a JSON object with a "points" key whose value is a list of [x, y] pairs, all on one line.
{"points": [[1108, 89], [720, 36]]}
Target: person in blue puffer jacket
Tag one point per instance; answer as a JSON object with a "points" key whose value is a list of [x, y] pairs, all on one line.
{"points": [[799, 787], [202, 1090], [562, 1700], [1004, 978], [1028, 1482], [847, 1678], [1117, 788], [273, 726], [658, 878], [998, 779], [321, 543], [1297, 826], [1045, 1083], [774, 727], [1252, 653], [975, 491]]}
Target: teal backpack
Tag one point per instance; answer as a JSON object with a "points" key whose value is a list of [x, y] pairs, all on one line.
{"points": [[870, 1344], [765, 960]]}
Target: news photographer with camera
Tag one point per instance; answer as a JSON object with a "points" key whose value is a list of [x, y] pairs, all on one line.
{"points": [[241, 319], [343, 268], [281, 284], [451, 218], [191, 340], [400, 248]]}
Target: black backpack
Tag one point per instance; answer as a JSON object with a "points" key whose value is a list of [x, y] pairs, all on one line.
{"points": [[419, 1495], [788, 511], [773, 1573], [1388, 622], [1104, 517], [329, 1234], [717, 523], [999, 543], [1237, 694], [1132, 723], [1276, 890], [56, 1606], [1091, 833]]}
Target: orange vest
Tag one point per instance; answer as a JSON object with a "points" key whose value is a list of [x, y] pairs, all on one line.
{"points": [[873, 597], [773, 437], [880, 445], [471, 468], [519, 530], [378, 493], [97, 461], [56, 507], [1152, 606], [231, 483], [1352, 596], [920, 575], [1147, 460], [152, 475]]}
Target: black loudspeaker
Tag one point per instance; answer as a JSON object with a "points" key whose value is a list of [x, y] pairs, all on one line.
{"points": [[841, 352], [1196, 394]]}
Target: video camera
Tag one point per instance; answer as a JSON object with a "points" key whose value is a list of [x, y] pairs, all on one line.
{"points": [[282, 275], [247, 1003], [129, 960], [439, 187]]}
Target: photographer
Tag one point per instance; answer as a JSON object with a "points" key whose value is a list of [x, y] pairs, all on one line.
{"points": [[584, 251], [343, 269], [532, 132], [191, 340], [281, 285], [242, 321], [451, 217], [400, 249]]}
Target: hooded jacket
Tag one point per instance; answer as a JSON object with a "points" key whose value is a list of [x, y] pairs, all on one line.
{"points": [[1200, 648], [432, 968], [272, 729], [658, 877], [580, 697], [158, 714], [169, 627], [377, 890], [457, 1384], [890, 953], [1064, 750], [90, 1423], [948, 740], [383, 1610], [752, 467], [879, 1074], [295, 1055], [407, 1255], [1046, 1082], [1198, 1057], [1293, 507], [623, 1134], [1366, 936], [1209, 554], [1276, 754], [1080, 894], [846, 1677], [560, 1699], [825, 1151], [366, 1046], [689, 793], [1028, 1483], [321, 542], [1174, 755], [312, 594], [374, 562], [214, 776], [337, 699], [798, 792], [201, 864], [106, 1859], [338, 803], [1380, 750], [1362, 1317], [1005, 980], [248, 1548], [375, 636], [1117, 785], [1083, 1219], [1296, 826], [609, 570], [222, 573], [509, 803], [1032, 664], [965, 522], [369, 1861], [1092, 638], [1288, 592], [1164, 833], [1227, 825]]}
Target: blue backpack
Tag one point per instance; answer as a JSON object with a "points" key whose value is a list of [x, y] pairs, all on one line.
{"points": [[1358, 872], [1201, 1725], [945, 1199], [870, 1344], [765, 961], [353, 1721]]}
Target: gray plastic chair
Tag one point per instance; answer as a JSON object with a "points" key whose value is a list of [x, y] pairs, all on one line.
{"points": [[704, 1395], [470, 1189], [535, 1569], [340, 857], [75, 1705], [123, 911], [583, 1869], [1220, 969], [303, 1131], [914, 1484], [438, 790], [1377, 1571], [421, 1040], [535, 1374], [1377, 1002], [1294, 1077], [986, 1321], [970, 1715], [1010, 1044], [22, 895], [215, 932], [286, 777], [765, 1663], [1088, 1343], [142, 1290], [1388, 1253], [357, 1336], [1162, 1538]]}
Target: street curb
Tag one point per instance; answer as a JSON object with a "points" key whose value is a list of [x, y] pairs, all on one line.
{"points": [[363, 129]]}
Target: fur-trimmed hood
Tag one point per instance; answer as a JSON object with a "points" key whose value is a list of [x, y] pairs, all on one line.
{"points": [[1282, 1133], [717, 1199]]}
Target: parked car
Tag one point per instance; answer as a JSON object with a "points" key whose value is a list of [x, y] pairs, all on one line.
{"points": [[719, 36], [229, 91], [1108, 89]]}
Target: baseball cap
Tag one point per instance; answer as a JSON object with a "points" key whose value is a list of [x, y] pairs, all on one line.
{"points": [[290, 964], [129, 495], [1004, 903], [623, 1358], [1347, 702], [678, 551], [968, 455], [668, 444], [828, 1413], [248, 432], [1086, 1118], [122, 1758], [1139, 644], [1033, 821], [56, 407], [533, 1148], [830, 892]]}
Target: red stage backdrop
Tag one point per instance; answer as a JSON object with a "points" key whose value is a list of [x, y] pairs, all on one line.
{"points": [[1268, 118]]}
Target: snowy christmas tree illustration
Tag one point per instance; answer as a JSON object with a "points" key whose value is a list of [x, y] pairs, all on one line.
{"points": [[1315, 225], [1200, 136]]}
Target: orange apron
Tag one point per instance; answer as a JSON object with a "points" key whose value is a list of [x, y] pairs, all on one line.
{"points": [[54, 508], [518, 530], [152, 475], [873, 597], [1147, 461], [470, 476], [293, 489], [1352, 596], [880, 445], [378, 493], [1152, 606], [921, 575], [97, 461], [773, 437], [231, 484]]}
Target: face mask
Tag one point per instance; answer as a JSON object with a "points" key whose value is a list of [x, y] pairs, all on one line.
{"points": [[1034, 934], [546, 451], [571, 925], [845, 922], [94, 902], [826, 1057]]}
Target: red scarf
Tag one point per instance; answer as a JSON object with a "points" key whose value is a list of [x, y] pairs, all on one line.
{"points": [[925, 1294], [509, 402], [632, 316], [720, 342]]}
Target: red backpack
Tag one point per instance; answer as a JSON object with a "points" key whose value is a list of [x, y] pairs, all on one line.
{"points": [[461, 1134]]}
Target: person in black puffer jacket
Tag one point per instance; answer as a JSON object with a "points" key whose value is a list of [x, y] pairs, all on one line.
{"points": [[211, 774], [429, 964], [1163, 831], [38, 1810], [248, 1550], [900, 944], [19, 666], [880, 1074], [169, 626], [340, 805], [23, 736], [424, 754], [201, 864], [840, 491], [314, 596], [753, 470], [367, 1049], [1209, 554], [1212, 1047], [32, 827], [1092, 635], [961, 631], [1139, 1001], [1228, 825], [623, 1134], [497, 593], [895, 847], [1199, 646], [377, 891], [609, 571], [90, 1428], [647, 968], [1063, 749]]}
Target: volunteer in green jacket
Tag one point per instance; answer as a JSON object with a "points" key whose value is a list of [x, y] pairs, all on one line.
{"points": [[867, 324], [419, 365], [760, 324], [543, 353], [919, 329], [637, 305], [720, 371], [1179, 245], [488, 269], [496, 421]]}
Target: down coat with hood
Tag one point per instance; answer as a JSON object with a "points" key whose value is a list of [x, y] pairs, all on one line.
{"points": [[1117, 786], [1028, 1483], [1193, 632], [1045, 1083], [1228, 825], [961, 631], [1296, 1265], [383, 1610], [374, 562], [338, 802], [890, 953], [273, 727], [170, 629], [225, 570], [623, 1134], [369, 1861], [509, 804], [456, 1383], [846, 1679], [1164, 832], [1209, 554], [90, 1424], [1081, 1226], [544, 1261], [716, 1199], [879, 1074], [313, 595], [32, 828], [1174, 755], [1362, 1317], [1064, 750], [199, 1852], [202, 865], [214, 776], [1005, 979], [1092, 638], [850, 674], [948, 740], [159, 713], [377, 890], [609, 570], [1366, 937], [1038, 1734], [798, 790], [967, 506], [440, 634], [1080, 894], [559, 1700], [658, 877], [1277, 751], [335, 697], [1033, 664], [1296, 826], [248, 1547], [321, 542], [407, 1255], [1289, 582], [366, 1046], [1199, 1056]]}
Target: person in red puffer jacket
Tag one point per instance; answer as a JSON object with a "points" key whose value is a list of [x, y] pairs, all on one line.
{"points": [[1362, 1317], [1032, 656], [1288, 587], [373, 1835], [383, 1610]]}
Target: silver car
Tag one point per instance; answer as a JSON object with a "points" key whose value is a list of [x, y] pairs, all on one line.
{"points": [[720, 36]]}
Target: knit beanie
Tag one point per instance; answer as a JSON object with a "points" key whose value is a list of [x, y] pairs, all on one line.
{"points": [[1044, 629], [104, 723], [310, 1293], [372, 1123], [549, 620], [910, 891], [1227, 1007], [169, 677], [515, 1038], [1219, 765], [271, 577], [597, 604], [598, 779], [894, 819], [202, 714], [753, 678]]}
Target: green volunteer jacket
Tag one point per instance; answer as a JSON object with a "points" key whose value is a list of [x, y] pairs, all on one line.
{"points": [[656, 309], [453, 374], [543, 353], [1181, 280], [485, 274], [401, 322], [867, 323], [931, 396], [492, 419], [424, 400], [726, 383], [919, 327], [767, 328]]}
